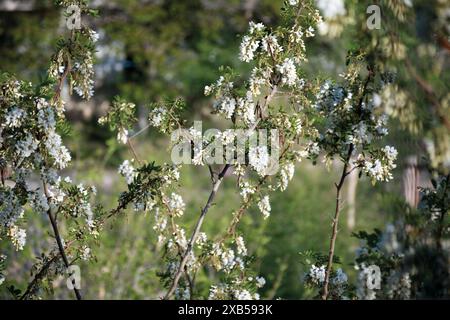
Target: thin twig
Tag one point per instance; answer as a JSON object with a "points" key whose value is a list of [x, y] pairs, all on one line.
{"points": [[337, 211], [39, 275], [196, 231], [212, 174], [59, 241], [134, 135], [339, 186], [59, 87], [133, 151]]}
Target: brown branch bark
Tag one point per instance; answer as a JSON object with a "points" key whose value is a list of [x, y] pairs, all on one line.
{"points": [[62, 252], [339, 185], [198, 226]]}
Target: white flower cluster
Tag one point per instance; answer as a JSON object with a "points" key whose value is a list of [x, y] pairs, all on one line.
{"points": [[246, 190], [93, 35], [250, 42], [225, 102], [176, 204], [46, 115], [225, 259], [157, 116], [127, 170], [241, 248], [30, 143], [242, 295], [296, 36], [57, 150], [228, 259], [32, 148], [227, 105], [122, 135], [201, 239], [160, 221], [18, 237], [180, 237], [361, 134], [260, 282], [340, 277], [11, 208], [357, 123], [225, 291], [259, 159], [11, 211], [38, 201], [380, 169], [270, 45], [172, 173], [309, 32], [312, 149], [288, 72], [329, 97], [217, 292], [246, 108], [258, 78], [15, 117], [27, 146], [286, 174], [83, 83], [83, 207], [249, 45], [86, 253], [255, 27]]}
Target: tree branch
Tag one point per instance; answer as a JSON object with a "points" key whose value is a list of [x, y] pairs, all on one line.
{"points": [[59, 241], [337, 211], [339, 186]]}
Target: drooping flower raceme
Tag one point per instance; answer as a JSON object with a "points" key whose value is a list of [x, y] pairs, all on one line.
{"points": [[33, 151]]}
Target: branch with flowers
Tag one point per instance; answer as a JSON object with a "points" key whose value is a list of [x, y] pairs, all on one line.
{"points": [[338, 120], [309, 116], [31, 148]]}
